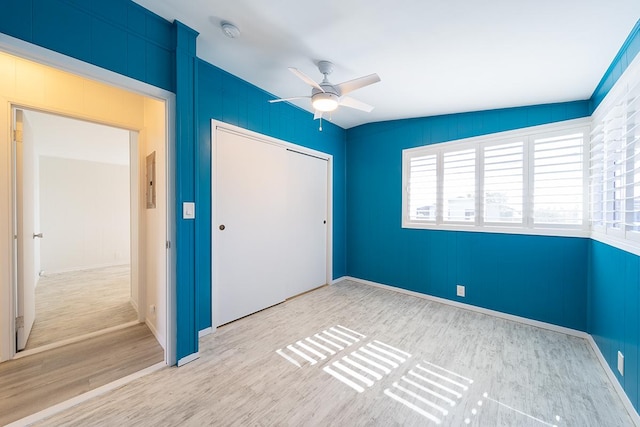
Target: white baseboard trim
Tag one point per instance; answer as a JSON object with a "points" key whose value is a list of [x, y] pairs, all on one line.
{"points": [[614, 381], [155, 333], [134, 304], [45, 413], [73, 340], [494, 313], [189, 358], [549, 326], [340, 279], [205, 332]]}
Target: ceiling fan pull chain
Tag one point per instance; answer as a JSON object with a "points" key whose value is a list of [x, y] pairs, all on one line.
{"points": [[320, 123]]}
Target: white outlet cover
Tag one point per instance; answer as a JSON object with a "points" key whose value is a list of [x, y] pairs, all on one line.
{"points": [[460, 290], [621, 363]]}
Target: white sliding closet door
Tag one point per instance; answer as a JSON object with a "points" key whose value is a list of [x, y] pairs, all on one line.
{"points": [[250, 203], [270, 223], [307, 217]]}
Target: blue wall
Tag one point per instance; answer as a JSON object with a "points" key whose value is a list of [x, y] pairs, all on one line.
{"points": [[224, 97], [118, 35], [572, 282], [626, 54], [614, 310], [538, 277]]}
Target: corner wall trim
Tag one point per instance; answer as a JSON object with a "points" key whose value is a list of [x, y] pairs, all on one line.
{"points": [[549, 326], [189, 358]]}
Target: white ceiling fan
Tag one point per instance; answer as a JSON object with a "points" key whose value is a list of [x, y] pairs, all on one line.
{"points": [[326, 97]]}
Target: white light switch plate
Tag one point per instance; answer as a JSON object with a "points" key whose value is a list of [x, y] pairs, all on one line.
{"points": [[460, 290], [188, 210]]}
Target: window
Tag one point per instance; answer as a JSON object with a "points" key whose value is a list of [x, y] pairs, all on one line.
{"points": [[459, 185], [558, 180], [503, 182], [615, 163], [527, 181], [423, 181]]}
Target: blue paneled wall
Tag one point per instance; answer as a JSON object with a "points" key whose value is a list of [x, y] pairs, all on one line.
{"points": [[630, 48], [542, 278], [118, 35], [573, 282], [224, 97], [614, 311]]}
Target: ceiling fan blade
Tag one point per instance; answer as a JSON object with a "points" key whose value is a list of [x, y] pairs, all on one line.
{"points": [[347, 101], [317, 115], [288, 99], [308, 80], [360, 82]]}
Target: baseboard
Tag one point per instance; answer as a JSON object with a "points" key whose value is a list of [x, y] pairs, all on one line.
{"points": [[55, 409], [155, 333], [205, 332], [549, 326], [340, 279], [82, 268], [134, 304], [614, 381], [494, 313], [189, 358]]}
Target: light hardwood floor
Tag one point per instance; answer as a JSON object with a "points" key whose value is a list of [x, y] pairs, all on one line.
{"points": [[464, 368], [81, 302], [33, 383]]}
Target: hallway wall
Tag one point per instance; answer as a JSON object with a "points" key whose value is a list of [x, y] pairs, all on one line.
{"points": [[28, 84]]}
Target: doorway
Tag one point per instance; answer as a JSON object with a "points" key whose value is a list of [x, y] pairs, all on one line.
{"points": [[74, 229], [100, 97]]}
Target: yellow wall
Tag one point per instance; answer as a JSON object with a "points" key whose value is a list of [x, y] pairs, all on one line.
{"points": [[31, 85]]}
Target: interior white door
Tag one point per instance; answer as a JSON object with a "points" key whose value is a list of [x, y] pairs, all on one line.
{"points": [[306, 222], [25, 213], [249, 197]]}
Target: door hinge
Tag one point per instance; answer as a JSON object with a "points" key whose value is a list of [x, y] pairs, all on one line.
{"points": [[17, 135], [168, 245], [19, 322]]}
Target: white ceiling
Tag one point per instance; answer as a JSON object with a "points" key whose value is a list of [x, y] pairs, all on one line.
{"points": [[58, 136], [433, 56]]}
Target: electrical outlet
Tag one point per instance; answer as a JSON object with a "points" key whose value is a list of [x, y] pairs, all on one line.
{"points": [[621, 363], [460, 290]]}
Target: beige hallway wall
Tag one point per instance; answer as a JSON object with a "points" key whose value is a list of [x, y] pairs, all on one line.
{"points": [[28, 84]]}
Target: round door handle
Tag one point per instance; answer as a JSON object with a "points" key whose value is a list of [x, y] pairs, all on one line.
{"points": [[221, 227]]}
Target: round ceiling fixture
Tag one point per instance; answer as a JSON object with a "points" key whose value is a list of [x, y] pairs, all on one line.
{"points": [[230, 30]]}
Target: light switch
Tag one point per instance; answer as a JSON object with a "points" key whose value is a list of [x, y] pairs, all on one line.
{"points": [[188, 210]]}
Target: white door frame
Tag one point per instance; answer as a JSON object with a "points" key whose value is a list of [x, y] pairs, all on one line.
{"points": [[134, 209], [216, 124], [57, 60]]}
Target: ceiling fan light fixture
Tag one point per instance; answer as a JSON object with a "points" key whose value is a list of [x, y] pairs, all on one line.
{"points": [[230, 30], [325, 101]]}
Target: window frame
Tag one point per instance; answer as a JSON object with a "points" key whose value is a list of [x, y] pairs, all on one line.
{"points": [[617, 99], [480, 143]]}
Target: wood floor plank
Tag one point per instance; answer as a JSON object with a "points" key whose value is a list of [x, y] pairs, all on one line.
{"points": [[81, 302], [522, 375], [33, 383]]}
